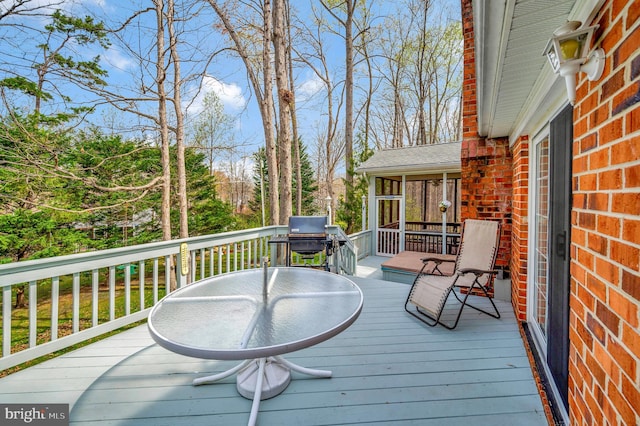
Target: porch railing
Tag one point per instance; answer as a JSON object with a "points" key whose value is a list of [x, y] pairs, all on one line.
{"points": [[69, 299]]}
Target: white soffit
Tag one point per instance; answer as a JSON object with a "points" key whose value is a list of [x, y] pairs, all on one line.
{"points": [[510, 38]]}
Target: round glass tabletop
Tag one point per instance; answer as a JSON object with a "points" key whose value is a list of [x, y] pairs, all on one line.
{"points": [[255, 313]]}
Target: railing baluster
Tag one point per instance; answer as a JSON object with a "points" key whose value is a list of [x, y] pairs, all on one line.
{"points": [[167, 274], [6, 320], [228, 255], [141, 277], [202, 262], [76, 303], [55, 299], [211, 252], [95, 287], [33, 313], [219, 259], [112, 293], [127, 289], [155, 280], [235, 256], [242, 255]]}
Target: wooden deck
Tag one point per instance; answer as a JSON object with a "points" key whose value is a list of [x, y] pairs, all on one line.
{"points": [[388, 368]]}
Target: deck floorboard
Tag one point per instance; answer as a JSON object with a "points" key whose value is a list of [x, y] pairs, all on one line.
{"points": [[388, 368]]}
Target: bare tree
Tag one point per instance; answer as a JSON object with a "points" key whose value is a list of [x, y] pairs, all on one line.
{"points": [[315, 57], [343, 12], [285, 99], [262, 87]]}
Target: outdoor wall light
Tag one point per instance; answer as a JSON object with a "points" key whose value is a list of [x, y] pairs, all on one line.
{"points": [[568, 53]]}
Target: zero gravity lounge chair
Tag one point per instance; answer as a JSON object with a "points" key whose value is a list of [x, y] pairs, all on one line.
{"points": [[473, 271]]}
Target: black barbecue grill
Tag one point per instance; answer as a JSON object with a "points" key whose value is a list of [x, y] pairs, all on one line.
{"points": [[308, 237]]}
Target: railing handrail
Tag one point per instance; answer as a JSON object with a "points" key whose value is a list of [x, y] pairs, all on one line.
{"points": [[29, 270]]}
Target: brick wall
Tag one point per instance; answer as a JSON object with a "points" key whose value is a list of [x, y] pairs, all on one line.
{"points": [[486, 164], [604, 364], [520, 227]]}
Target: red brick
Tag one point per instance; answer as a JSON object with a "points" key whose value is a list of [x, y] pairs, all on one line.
{"points": [[610, 179], [587, 182], [633, 13], [631, 394], [585, 335], [628, 47], [632, 177], [595, 368], [612, 85], [600, 115], [585, 258], [624, 307], [631, 339], [597, 288], [599, 159], [631, 283], [594, 406], [625, 98], [631, 230], [633, 120], [625, 151], [587, 220], [598, 243], [608, 317], [607, 270], [598, 201], [596, 329], [620, 355], [588, 143], [628, 417], [610, 367], [609, 225], [628, 203], [625, 255]]}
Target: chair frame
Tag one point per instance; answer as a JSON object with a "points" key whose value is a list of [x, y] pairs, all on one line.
{"points": [[433, 321]]}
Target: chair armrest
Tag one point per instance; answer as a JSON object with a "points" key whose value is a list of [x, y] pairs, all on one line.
{"points": [[437, 260], [477, 272]]}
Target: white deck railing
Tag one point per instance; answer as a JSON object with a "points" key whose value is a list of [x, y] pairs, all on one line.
{"points": [[70, 299]]}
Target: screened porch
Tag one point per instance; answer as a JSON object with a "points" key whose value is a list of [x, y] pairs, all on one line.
{"points": [[411, 213]]}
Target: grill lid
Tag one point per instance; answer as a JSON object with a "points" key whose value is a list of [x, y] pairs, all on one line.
{"points": [[307, 226]]}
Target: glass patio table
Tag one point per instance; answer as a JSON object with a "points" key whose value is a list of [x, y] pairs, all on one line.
{"points": [[256, 315]]}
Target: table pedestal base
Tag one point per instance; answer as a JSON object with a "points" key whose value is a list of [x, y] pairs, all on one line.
{"points": [[275, 379], [262, 378]]}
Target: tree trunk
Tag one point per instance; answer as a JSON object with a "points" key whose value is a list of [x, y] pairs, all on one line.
{"points": [[284, 109], [264, 95], [165, 212], [179, 131], [294, 125], [20, 302], [348, 113]]}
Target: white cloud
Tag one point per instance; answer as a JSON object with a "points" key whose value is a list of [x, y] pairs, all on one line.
{"points": [[229, 94], [116, 59], [308, 88]]}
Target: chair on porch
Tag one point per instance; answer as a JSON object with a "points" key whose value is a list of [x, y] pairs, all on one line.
{"points": [[474, 272]]}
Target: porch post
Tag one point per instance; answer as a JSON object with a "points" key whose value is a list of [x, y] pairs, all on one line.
{"points": [[403, 200], [444, 214]]}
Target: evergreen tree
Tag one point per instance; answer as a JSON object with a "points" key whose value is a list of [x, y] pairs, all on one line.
{"points": [[309, 187], [349, 211]]}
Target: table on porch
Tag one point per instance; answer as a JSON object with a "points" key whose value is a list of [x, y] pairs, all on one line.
{"points": [[256, 315]]}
